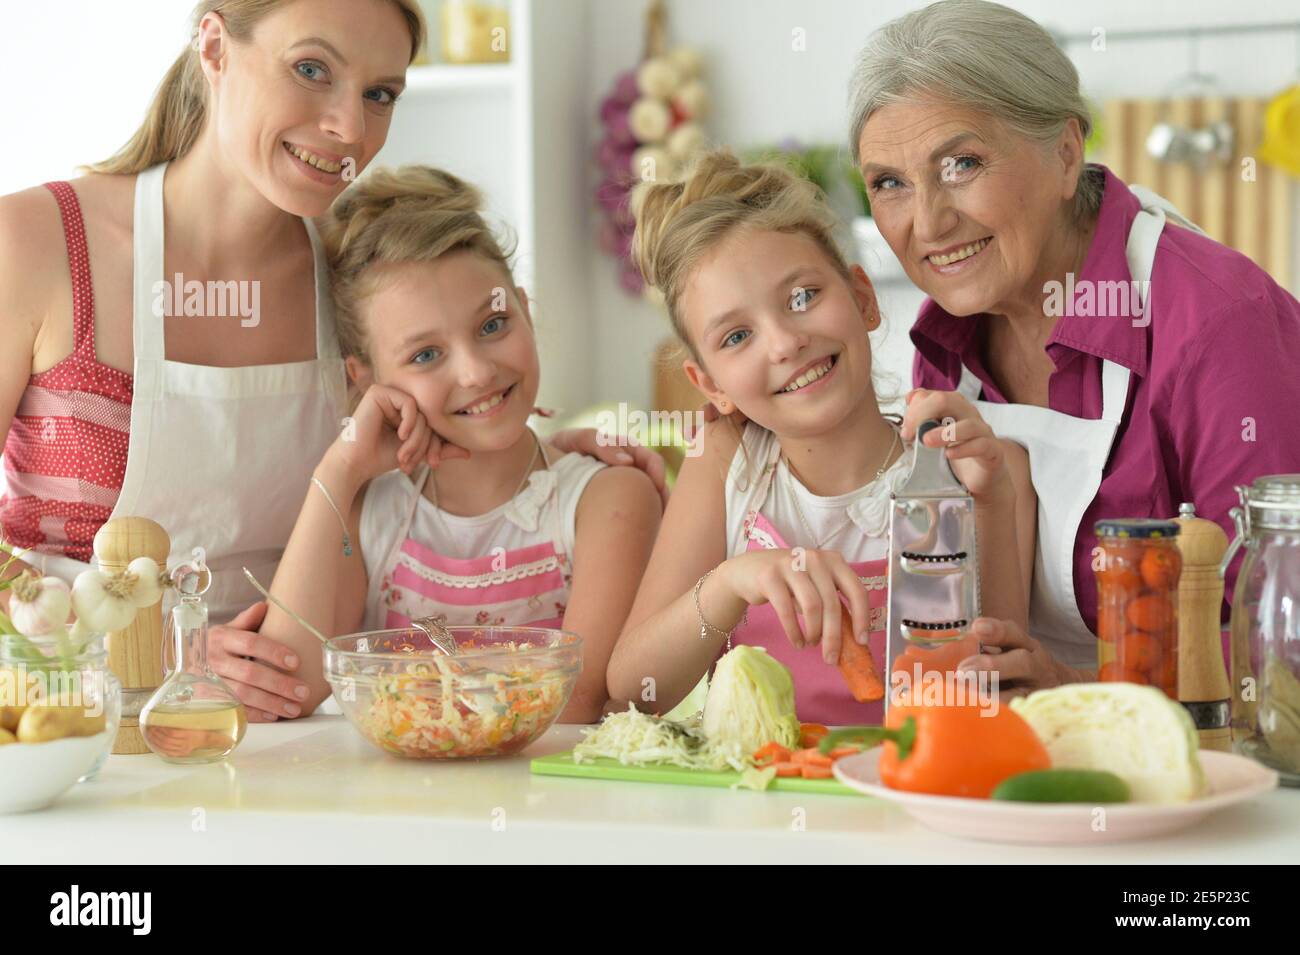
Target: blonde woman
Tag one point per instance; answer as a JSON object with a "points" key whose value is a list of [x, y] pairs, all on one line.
{"points": [[968, 126], [123, 395]]}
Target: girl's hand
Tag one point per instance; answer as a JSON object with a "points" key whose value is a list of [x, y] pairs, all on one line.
{"points": [[1018, 662], [974, 451], [806, 583], [387, 431], [621, 451]]}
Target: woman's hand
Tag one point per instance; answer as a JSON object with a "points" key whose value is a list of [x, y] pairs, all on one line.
{"points": [[975, 452], [806, 583], [251, 665], [387, 431], [1015, 658], [622, 451]]}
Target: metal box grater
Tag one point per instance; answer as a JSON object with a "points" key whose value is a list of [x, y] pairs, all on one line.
{"points": [[934, 592]]}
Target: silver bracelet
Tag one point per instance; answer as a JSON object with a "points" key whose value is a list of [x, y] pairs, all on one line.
{"points": [[705, 626], [347, 540]]}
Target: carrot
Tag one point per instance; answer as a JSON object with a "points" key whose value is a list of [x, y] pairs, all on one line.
{"points": [[772, 753], [856, 665], [788, 769], [842, 751], [810, 757], [817, 772], [810, 734]]}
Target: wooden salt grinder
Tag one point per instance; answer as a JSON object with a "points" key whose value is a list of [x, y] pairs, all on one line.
{"points": [[1202, 678], [134, 654]]}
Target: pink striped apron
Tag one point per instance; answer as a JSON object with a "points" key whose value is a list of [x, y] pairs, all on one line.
{"points": [[527, 586], [820, 694]]}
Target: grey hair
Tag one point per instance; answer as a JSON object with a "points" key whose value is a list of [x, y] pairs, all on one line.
{"points": [[982, 56]]}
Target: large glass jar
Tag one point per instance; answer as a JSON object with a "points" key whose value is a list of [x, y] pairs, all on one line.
{"points": [[1137, 564], [1266, 625], [69, 672]]}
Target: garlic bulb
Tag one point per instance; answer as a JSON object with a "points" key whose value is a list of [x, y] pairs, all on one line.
{"points": [[148, 585], [658, 77], [649, 120], [39, 604], [692, 100], [686, 140], [104, 602], [688, 62], [654, 164]]}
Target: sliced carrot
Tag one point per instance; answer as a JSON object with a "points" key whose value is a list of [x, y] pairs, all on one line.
{"points": [[772, 752], [817, 772], [787, 769], [810, 757], [841, 751], [856, 665], [810, 734]]}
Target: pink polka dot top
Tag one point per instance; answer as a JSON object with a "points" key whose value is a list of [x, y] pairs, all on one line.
{"points": [[65, 456]]}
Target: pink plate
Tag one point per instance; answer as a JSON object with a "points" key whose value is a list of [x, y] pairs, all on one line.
{"points": [[1231, 779]]}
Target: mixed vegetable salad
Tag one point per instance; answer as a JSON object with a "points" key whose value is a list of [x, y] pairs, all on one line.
{"points": [[443, 708]]}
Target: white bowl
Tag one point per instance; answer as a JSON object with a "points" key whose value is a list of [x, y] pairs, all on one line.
{"points": [[33, 775], [1230, 778]]}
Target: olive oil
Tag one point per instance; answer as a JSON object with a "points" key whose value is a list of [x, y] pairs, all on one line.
{"points": [[194, 717], [195, 732]]}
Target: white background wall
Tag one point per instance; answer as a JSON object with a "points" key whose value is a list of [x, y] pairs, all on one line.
{"points": [[77, 75]]}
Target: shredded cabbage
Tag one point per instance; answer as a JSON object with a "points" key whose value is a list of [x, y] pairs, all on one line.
{"points": [[1135, 732], [750, 703], [635, 738]]}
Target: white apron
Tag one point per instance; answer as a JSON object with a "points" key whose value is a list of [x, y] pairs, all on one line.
{"points": [[1066, 459], [221, 457]]}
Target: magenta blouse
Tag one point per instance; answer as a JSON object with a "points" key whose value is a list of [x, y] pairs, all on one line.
{"points": [[1214, 394]]}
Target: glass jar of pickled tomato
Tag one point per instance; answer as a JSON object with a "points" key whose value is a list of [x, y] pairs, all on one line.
{"points": [[1137, 565]]}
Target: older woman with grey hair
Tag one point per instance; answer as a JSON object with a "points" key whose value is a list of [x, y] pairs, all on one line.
{"points": [[1139, 362]]}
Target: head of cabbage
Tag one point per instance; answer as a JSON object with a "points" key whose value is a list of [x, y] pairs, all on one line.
{"points": [[750, 702]]}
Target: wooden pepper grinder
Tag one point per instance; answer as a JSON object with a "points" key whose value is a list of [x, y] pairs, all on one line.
{"points": [[134, 654], [1202, 678]]}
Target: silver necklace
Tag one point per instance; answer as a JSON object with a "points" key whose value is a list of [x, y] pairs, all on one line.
{"points": [[794, 496], [433, 483]]}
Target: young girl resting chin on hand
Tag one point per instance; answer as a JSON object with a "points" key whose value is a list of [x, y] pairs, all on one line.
{"points": [[441, 342], [775, 522]]}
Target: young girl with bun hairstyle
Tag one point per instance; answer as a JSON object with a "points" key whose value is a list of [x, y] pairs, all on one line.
{"points": [[780, 519], [505, 530]]}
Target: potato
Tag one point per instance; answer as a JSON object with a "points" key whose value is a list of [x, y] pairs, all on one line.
{"points": [[7, 737], [42, 723], [9, 716]]}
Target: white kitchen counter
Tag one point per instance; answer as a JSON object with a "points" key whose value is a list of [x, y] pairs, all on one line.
{"points": [[313, 790]]}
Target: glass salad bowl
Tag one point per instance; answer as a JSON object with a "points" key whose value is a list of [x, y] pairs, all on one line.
{"points": [[502, 690]]}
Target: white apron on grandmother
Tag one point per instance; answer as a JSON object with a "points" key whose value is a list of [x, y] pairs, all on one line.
{"points": [[1067, 456]]}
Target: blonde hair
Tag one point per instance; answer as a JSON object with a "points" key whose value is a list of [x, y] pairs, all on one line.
{"points": [[392, 217], [176, 116], [985, 57], [677, 223]]}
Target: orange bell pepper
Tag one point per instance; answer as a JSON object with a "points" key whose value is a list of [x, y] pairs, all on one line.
{"points": [[949, 750]]}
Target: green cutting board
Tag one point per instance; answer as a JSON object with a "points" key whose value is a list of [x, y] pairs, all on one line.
{"points": [[562, 764]]}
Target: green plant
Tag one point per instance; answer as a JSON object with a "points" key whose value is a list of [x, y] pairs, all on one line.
{"points": [[824, 165]]}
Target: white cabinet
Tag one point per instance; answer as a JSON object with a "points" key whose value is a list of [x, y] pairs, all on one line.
{"points": [[519, 131]]}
